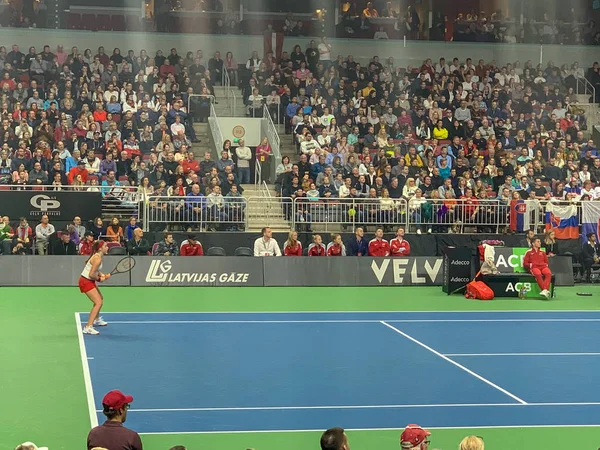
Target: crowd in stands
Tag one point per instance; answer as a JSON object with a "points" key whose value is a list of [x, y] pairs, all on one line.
{"points": [[447, 130]]}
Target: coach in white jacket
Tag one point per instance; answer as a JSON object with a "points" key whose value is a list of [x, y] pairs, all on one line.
{"points": [[244, 155]]}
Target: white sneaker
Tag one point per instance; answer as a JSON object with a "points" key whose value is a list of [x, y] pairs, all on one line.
{"points": [[90, 330], [100, 322], [545, 294], [419, 231]]}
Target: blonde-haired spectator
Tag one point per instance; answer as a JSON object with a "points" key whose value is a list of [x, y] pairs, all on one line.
{"points": [[471, 443]]}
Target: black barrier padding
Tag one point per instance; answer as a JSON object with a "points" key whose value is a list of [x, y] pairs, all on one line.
{"points": [[340, 271], [421, 245], [53, 271]]}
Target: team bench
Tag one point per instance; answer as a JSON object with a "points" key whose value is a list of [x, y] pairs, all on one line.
{"points": [[510, 284]]}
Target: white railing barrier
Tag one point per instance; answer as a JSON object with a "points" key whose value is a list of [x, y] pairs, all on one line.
{"points": [[197, 212]]}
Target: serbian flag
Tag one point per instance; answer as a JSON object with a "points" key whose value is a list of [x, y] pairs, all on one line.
{"points": [[590, 219], [563, 220], [520, 217]]}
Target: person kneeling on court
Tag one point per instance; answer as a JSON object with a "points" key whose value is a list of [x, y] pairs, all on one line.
{"points": [[536, 262], [112, 434]]}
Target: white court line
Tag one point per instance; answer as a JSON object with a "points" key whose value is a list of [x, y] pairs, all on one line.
{"points": [[358, 312], [350, 321], [350, 407], [522, 354], [460, 366], [492, 427], [87, 378]]}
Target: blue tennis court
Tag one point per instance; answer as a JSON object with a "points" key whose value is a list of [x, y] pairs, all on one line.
{"points": [[233, 372]]}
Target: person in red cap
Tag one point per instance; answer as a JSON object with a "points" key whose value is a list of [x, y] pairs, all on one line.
{"points": [[414, 437], [112, 435]]}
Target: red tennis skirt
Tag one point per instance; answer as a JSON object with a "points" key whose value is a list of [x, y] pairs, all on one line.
{"points": [[86, 285]]}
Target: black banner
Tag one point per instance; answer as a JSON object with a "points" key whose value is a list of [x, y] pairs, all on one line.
{"points": [[58, 205], [353, 271], [197, 271], [457, 269]]}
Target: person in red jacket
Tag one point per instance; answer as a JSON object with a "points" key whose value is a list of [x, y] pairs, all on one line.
{"points": [[536, 262], [79, 170], [191, 247], [336, 247], [317, 248], [190, 164], [293, 247], [398, 246], [379, 246]]}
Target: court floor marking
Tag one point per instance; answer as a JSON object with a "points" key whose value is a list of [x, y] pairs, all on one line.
{"points": [[367, 429], [131, 322], [354, 312], [451, 361], [350, 407], [522, 354], [87, 378]]}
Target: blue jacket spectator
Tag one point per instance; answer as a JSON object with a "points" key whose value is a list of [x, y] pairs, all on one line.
{"points": [[358, 245]]}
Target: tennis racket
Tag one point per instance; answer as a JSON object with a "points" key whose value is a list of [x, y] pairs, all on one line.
{"points": [[123, 266]]}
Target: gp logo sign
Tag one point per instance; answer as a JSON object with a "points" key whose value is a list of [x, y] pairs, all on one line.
{"points": [[44, 204]]}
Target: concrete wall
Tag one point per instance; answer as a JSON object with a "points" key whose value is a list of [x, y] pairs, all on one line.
{"points": [[242, 46]]}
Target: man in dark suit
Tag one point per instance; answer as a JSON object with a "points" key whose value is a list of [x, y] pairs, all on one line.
{"points": [[358, 245], [590, 255]]}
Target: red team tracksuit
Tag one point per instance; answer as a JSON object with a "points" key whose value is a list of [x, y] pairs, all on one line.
{"points": [[399, 248], [536, 261], [317, 250], [379, 247]]}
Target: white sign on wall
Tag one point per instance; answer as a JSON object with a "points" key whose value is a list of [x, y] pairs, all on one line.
{"points": [[241, 128]]}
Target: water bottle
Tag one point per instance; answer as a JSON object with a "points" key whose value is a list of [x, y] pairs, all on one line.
{"points": [[522, 292]]}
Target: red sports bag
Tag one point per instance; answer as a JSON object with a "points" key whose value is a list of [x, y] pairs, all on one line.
{"points": [[479, 290]]}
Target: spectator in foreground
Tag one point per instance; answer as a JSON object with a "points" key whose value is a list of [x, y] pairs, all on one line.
{"points": [[30, 446], [138, 246], [42, 233], [6, 235], [266, 245], [191, 247], [334, 439], [112, 434], [358, 245], [167, 247], [23, 235], [471, 443], [414, 437]]}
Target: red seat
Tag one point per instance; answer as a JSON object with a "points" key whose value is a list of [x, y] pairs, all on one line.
{"points": [[103, 22], [118, 22], [88, 22], [74, 21], [132, 23]]}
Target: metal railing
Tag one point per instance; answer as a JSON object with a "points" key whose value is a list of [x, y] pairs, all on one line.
{"points": [[257, 174], [193, 113], [442, 216], [587, 87], [198, 213], [270, 132], [215, 130], [346, 212], [269, 212]]}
